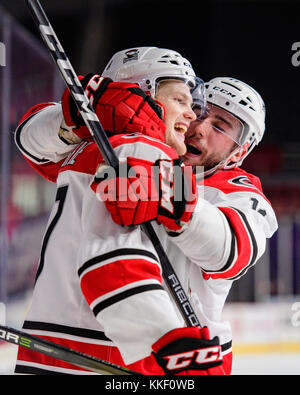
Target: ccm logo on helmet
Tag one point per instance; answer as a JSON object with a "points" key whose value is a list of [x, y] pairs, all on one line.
{"points": [[131, 54], [200, 356], [222, 90]]}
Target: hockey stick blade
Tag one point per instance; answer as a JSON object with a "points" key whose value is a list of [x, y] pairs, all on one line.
{"points": [[58, 351], [94, 125]]}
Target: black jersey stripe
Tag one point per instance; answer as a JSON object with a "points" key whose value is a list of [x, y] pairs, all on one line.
{"points": [[64, 329], [226, 346], [115, 254], [124, 295], [230, 259], [26, 369], [19, 144]]}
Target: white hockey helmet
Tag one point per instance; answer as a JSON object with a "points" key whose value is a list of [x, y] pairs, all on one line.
{"points": [[243, 102], [147, 66]]}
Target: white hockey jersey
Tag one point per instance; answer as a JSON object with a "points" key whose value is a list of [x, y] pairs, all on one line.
{"points": [[99, 287]]}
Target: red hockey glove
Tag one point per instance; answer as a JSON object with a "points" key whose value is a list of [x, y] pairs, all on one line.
{"points": [[120, 106], [139, 191], [189, 351]]}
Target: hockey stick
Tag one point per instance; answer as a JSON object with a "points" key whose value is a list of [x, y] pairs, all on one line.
{"points": [[54, 350], [97, 132]]}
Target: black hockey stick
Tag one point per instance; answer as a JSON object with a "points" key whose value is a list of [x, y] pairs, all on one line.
{"points": [[54, 350], [92, 122]]}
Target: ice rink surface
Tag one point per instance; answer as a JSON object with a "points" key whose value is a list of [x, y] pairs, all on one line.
{"points": [[267, 364], [271, 362], [250, 364]]}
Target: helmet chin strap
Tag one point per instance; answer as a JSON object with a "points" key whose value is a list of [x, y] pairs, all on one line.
{"points": [[224, 164]]}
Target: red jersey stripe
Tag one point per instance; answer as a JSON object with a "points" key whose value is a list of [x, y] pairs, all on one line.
{"points": [[114, 275], [246, 245]]}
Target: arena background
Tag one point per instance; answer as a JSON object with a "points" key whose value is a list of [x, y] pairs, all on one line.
{"points": [[255, 41]]}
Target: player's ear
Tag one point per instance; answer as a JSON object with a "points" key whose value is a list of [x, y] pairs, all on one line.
{"points": [[240, 153]]}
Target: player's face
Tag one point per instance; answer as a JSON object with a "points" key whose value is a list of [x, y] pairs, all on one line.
{"points": [[211, 139], [177, 101]]}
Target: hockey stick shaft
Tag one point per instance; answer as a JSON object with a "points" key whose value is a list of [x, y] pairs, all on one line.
{"points": [[96, 130], [54, 350]]}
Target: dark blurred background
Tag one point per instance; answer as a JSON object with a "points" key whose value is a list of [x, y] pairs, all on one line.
{"points": [[250, 40]]}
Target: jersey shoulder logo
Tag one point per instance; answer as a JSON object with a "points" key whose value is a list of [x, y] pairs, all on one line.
{"points": [[242, 181]]}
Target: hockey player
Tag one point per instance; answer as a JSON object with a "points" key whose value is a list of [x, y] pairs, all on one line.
{"points": [[227, 232], [98, 286]]}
